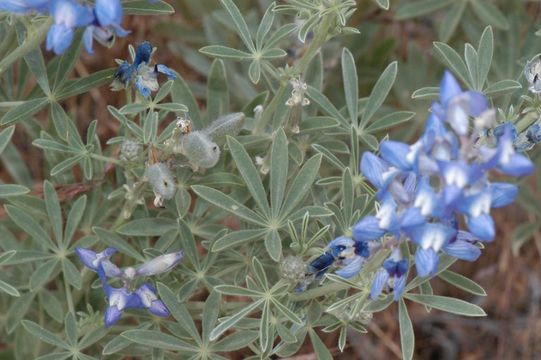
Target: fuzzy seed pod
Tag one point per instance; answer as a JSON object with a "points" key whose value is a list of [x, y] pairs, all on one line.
{"points": [[162, 182], [199, 149], [229, 124]]}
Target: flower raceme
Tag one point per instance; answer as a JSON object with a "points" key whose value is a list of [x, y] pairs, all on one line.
{"points": [[124, 297], [425, 189]]}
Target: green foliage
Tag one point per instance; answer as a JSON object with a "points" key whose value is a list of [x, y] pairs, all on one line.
{"points": [[285, 98]]}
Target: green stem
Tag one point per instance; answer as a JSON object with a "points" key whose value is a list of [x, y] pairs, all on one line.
{"points": [[34, 37], [69, 297], [299, 68]]}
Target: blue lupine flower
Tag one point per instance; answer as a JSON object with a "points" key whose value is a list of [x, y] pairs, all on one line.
{"points": [[156, 266], [67, 15], [149, 300], [141, 74], [106, 24], [24, 6], [463, 247], [392, 274], [344, 252]]}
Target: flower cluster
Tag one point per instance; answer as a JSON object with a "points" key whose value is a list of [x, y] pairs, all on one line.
{"points": [[101, 21], [427, 188], [123, 298], [141, 73]]}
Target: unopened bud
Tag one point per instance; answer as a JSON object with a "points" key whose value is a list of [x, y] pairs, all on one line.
{"points": [[129, 150], [229, 124], [292, 268]]}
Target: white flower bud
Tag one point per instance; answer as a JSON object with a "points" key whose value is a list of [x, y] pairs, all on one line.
{"points": [[162, 182]]}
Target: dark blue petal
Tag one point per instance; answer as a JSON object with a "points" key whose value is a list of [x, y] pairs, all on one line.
{"points": [[320, 265], [362, 249], [143, 90], [426, 262], [142, 54]]}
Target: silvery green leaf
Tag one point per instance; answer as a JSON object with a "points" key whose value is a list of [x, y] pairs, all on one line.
{"points": [[72, 274], [61, 67], [472, 62], [379, 93], [407, 337], [217, 91], [237, 238], [237, 291], [74, 218], [35, 62], [419, 8], [7, 190], [462, 282], [71, 329], [164, 90], [5, 137], [24, 111], [429, 92], [451, 20], [279, 35], [301, 185], [450, 58], [254, 71], [350, 80], [502, 87], [240, 24], [448, 304], [229, 204], [44, 334], [490, 14], [278, 171], [66, 164], [8, 289], [30, 226], [181, 93], [266, 333], [116, 241], [485, 51], [273, 244], [322, 353], [43, 274], [325, 104], [264, 26], [178, 310], [390, 120], [236, 341], [157, 339], [224, 52], [273, 53], [142, 7], [134, 108], [329, 156], [384, 4], [230, 321], [83, 85], [60, 119], [147, 227], [53, 210], [211, 311], [249, 173]]}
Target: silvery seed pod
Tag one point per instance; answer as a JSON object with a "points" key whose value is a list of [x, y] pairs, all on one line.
{"points": [[230, 124], [129, 150], [532, 73], [199, 149], [162, 182]]}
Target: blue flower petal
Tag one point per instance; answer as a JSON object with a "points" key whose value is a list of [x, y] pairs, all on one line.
{"points": [[367, 229], [108, 12], [399, 286], [477, 103], [378, 283], [449, 88], [352, 268], [396, 153], [59, 38], [481, 226], [111, 316], [426, 262], [502, 194], [162, 69], [462, 250], [143, 53], [158, 308]]}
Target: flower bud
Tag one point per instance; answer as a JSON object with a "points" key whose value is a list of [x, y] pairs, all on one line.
{"points": [[292, 268], [230, 124], [199, 149], [162, 182], [129, 150], [160, 264]]}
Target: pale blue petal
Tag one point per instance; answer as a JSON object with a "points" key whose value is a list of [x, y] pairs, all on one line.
{"points": [[378, 283]]}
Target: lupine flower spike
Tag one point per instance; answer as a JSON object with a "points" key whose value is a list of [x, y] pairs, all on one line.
{"points": [[425, 189]]}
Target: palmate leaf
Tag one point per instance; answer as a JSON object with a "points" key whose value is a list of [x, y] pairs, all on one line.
{"points": [[379, 93]]}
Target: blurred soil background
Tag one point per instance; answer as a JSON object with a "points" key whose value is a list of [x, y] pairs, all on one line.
{"points": [[512, 279]]}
